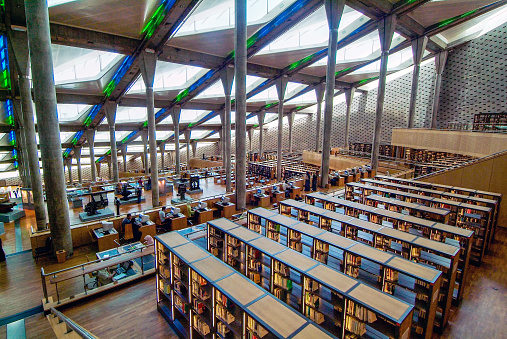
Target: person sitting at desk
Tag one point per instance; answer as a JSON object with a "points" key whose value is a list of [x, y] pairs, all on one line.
{"points": [[136, 225], [105, 276], [127, 220], [285, 187], [164, 217], [298, 198]]}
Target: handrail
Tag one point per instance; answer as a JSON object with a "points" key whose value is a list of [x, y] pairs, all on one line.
{"points": [[73, 325], [471, 162]]}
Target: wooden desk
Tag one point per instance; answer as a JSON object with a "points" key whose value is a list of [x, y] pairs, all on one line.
{"points": [[263, 200], [357, 176], [277, 196], [295, 191], [204, 216], [226, 211], [148, 229], [341, 181], [106, 241], [179, 222]]}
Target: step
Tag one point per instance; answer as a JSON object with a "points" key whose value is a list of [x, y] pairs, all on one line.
{"points": [[16, 330]]}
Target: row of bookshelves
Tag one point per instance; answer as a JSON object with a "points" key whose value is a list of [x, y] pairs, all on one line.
{"points": [[335, 301], [390, 272], [442, 257], [452, 235], [212, 301]]}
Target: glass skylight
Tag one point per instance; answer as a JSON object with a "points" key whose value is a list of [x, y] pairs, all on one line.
{"points": [[130, 114], [190, 115]]}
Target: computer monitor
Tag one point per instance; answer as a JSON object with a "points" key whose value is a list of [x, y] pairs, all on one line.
{"points": [[175, 210], [107, 226], [259, 191], [222, 198], [226, 200], [145, 218], [275, 188], [201, 205]]}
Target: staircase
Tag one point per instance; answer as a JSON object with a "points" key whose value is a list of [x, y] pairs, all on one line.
{"points": [[65, 327]]}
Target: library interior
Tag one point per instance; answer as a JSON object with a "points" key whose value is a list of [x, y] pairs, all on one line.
{"points": [[232, 169]]}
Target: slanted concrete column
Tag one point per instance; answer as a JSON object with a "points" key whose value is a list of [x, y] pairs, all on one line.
{"points": [[23, 169], [291, 116], [109, 168], [386, 28], [250, 137], [90, 139], [440, 60], [349, 97], [260, 117], [187, 134], [240, 82], [19, 42], [144, 139], [227, 77], [418, 47], [334, 10], [221, 144], [37, 20], [281, 86], [175, 113], [68, 163], [193, 143], [111, 120], [148, 62], [319, 93], [98, 167], [162, 155], [77, 155], [123, 150]]}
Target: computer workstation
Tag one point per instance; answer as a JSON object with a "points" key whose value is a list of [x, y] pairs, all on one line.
{"points": [[261, 198], [225, 208]]}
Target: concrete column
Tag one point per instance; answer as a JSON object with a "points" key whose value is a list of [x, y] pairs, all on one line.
{"points": [[144, 139], [90, 138], [187, 134], [240, 83], [23, 169], [111, 121], [162, 155], [19, 42], [98, 167], [221, 144], [440, 60], [418, 47], [291, 116], [123, 150], [175, 113], [386, 28], [319, 93], [281, 85], [77, 155], [221, 133], [37, 19], [68, 162], [193, 143], [227, 77], [260, 117], [148, 61], [334, 10], [349, 97], [250, 137]]}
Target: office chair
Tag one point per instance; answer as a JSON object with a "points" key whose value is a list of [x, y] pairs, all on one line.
{"points": [[129, 234], [46, 249]]}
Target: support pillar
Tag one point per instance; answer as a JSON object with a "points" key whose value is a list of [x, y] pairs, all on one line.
{"points": [[194, 147], [90, 138], [349, 97], [187, 134], [77, 155], [37, 20], [227, 77], [23, 169], [290, 116], [148, 63], [240, 83], [281, 85], [440, 60], [123, 150], [19, 42], [250, 137], [221, 145], [110, 167], [68, 162], [144, 139], [260, 117], [175, 114], [386, 28], [418, 47], [334, 10], [319, 93], [98, 167], [162, 155], [111, 121]]}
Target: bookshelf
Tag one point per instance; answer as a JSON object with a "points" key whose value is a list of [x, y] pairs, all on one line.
{"points": [[452, 235], [219, 303], [443, 257], [323, 294], [372, 267]]}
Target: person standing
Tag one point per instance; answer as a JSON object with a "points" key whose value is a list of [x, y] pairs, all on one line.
{"points": [[139, 194], [314, 181], [117, 203], [307, 181]]}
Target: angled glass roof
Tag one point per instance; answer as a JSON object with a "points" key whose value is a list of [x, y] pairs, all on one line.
{"points": [[130, 114], [191, 115]]}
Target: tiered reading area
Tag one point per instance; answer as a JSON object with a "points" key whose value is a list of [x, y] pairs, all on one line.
{"points": [[443, 257], [337, 302], [406, 280], [201, 297]]}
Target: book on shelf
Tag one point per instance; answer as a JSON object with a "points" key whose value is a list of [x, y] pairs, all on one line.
{"points": [[310, 285], [312, 300], [231, 251], [199, 306], [254, 265], [215, 242], [254, 327], [314, 315], [281, 268], [224, 315], [255, 277], [214, 251], [355, 326], [388, 287], [353, 260], [360, 312], [179, 304], [390, 275], [224, 300], [198, 279], [352, 271], [166, 288], [295, 245], [282, 281], [200, 325], [233, 241], [252, 252], [179, 287], [222, 330]]}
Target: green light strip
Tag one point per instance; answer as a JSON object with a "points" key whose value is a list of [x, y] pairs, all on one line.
{"points": [[451, 20]]}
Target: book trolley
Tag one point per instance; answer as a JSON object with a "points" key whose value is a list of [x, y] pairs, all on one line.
{"points": [[453, 189], [408, 281], [441, 256], [338, 303], [201, 297], [451, 235], [472, 217]]}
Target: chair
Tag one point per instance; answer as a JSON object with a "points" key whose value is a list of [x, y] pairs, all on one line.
{"points": [[129, 234], [46, 249], [191, 214]]}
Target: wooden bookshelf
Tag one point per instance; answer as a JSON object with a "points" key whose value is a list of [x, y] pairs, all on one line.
{"points": [[413, 280], [323, 294], [464, 215], [452, 235], [443, 257], [201, 297]]}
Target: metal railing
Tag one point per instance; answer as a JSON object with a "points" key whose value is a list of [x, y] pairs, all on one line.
{"points": [[73, 325]]}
